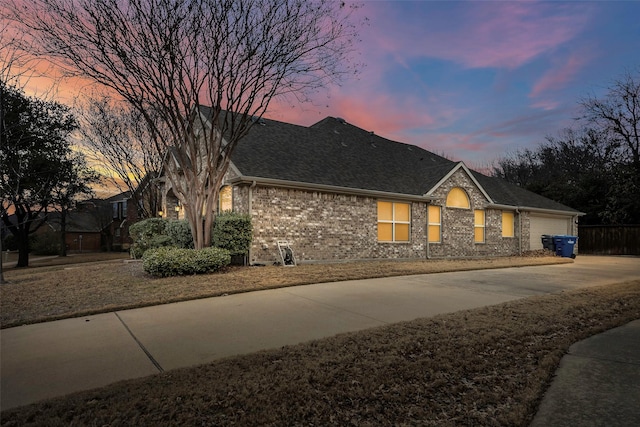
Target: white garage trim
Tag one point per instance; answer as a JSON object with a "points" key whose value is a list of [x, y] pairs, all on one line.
{"points": [[547, 224]]}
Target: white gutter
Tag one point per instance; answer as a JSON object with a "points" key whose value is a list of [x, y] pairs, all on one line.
{"points": [[531, 209], [520, 231], [251, 187]]}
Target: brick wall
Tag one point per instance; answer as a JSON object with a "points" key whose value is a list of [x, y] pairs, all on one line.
{"points": [[458, 224], [334, 227], [323, 226]]}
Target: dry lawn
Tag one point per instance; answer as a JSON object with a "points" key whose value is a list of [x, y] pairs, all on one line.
{"points": [[488, 366], [52, 291]]}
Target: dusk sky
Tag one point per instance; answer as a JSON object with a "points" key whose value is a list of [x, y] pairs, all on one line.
{"points": [[478, 80], [475, 81]]}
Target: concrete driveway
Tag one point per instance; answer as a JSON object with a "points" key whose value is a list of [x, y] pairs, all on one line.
{"points": [[56, 358]]}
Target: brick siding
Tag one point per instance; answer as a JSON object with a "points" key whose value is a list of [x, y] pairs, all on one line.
{"points": [[323, 226]]}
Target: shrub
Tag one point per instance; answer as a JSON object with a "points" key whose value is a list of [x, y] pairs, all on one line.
{"points": [[10, 243], [233, 232], [168, 261], [46, 243], [146, 234], [179, 232]]}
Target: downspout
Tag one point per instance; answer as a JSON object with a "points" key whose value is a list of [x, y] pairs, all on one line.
{"points": [[251, 187], [574, 231], [519, 231], [428, 254]]}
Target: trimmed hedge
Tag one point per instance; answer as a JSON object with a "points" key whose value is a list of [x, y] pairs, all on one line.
{"points": [[179, 231], [233, 232], [169, 261], [157, 232], [146, 234]]}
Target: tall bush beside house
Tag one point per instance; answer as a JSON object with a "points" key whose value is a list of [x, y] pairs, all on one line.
{"points": [[147, 234], [233, 232], [179, 232]]}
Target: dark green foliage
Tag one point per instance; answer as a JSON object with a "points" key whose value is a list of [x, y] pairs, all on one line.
{"points": [[233, 232], [38, 169], [46, 243], [157, 232], [168, 261], [179, 232], [147, 234], [594, 169]]}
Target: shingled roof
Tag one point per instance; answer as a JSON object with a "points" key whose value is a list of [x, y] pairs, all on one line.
{"points": [[335, 153]]}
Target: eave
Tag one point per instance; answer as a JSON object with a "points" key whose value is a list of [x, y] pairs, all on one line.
{"points": [[254, 180]]}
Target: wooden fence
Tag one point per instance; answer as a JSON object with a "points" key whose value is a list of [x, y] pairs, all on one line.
{"points": [[609, 239]]}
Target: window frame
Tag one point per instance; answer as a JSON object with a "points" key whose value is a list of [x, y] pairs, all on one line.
{"points": [[434, 224], [393, 221], [477, 226], [223, 188], [463, 192]]}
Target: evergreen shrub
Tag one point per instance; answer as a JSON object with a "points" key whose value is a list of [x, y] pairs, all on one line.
{"points": [[147, 234], [179, 231], [233, 232], [171, 261]]}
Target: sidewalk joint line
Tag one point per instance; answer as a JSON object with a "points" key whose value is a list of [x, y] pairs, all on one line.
{"points": [[149, 355]]}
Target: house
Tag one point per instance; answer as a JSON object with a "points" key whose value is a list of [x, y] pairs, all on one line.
{"points": [[129, 207], [83, 230], [122, 213], [336, 192]]}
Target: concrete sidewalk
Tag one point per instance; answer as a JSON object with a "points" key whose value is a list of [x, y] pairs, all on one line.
{"points": [[597, 383], [56, 358]]}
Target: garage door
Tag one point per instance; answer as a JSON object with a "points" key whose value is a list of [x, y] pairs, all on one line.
{"points": [[543, 224]]}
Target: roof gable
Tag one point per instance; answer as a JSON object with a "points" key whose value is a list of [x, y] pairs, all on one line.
{"points": [[466, 170]]}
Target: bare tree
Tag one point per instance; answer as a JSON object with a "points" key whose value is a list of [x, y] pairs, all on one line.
{"points": [[168, 57], [619, 114], [119, 138]]}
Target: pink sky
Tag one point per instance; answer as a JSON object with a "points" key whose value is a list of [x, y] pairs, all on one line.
{"points": [[473, 80]]}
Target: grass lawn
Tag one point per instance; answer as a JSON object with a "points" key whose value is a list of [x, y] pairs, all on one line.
{"points": [[487, 366]]}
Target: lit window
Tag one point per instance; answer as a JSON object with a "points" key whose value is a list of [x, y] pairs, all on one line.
{"points": [[394, 220], [435, 224], [457, 198], [225, 199], [507, 224], [478, 226]]}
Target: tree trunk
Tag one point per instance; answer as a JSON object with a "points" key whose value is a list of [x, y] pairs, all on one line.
{"points": [[63, 233], [23, 249]]}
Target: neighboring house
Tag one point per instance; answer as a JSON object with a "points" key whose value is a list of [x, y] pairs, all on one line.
{"points": [[83, 230], [122, 214], [336, 192]]}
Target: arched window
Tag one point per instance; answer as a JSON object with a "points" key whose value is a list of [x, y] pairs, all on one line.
{"points": [[457, 198]]}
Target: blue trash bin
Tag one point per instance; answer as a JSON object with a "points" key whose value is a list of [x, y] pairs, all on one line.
{"points": [[564, 245]]}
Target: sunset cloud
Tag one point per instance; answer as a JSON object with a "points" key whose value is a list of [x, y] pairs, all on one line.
{"points": [[469, 80], [479, 34], [557, 78]]}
